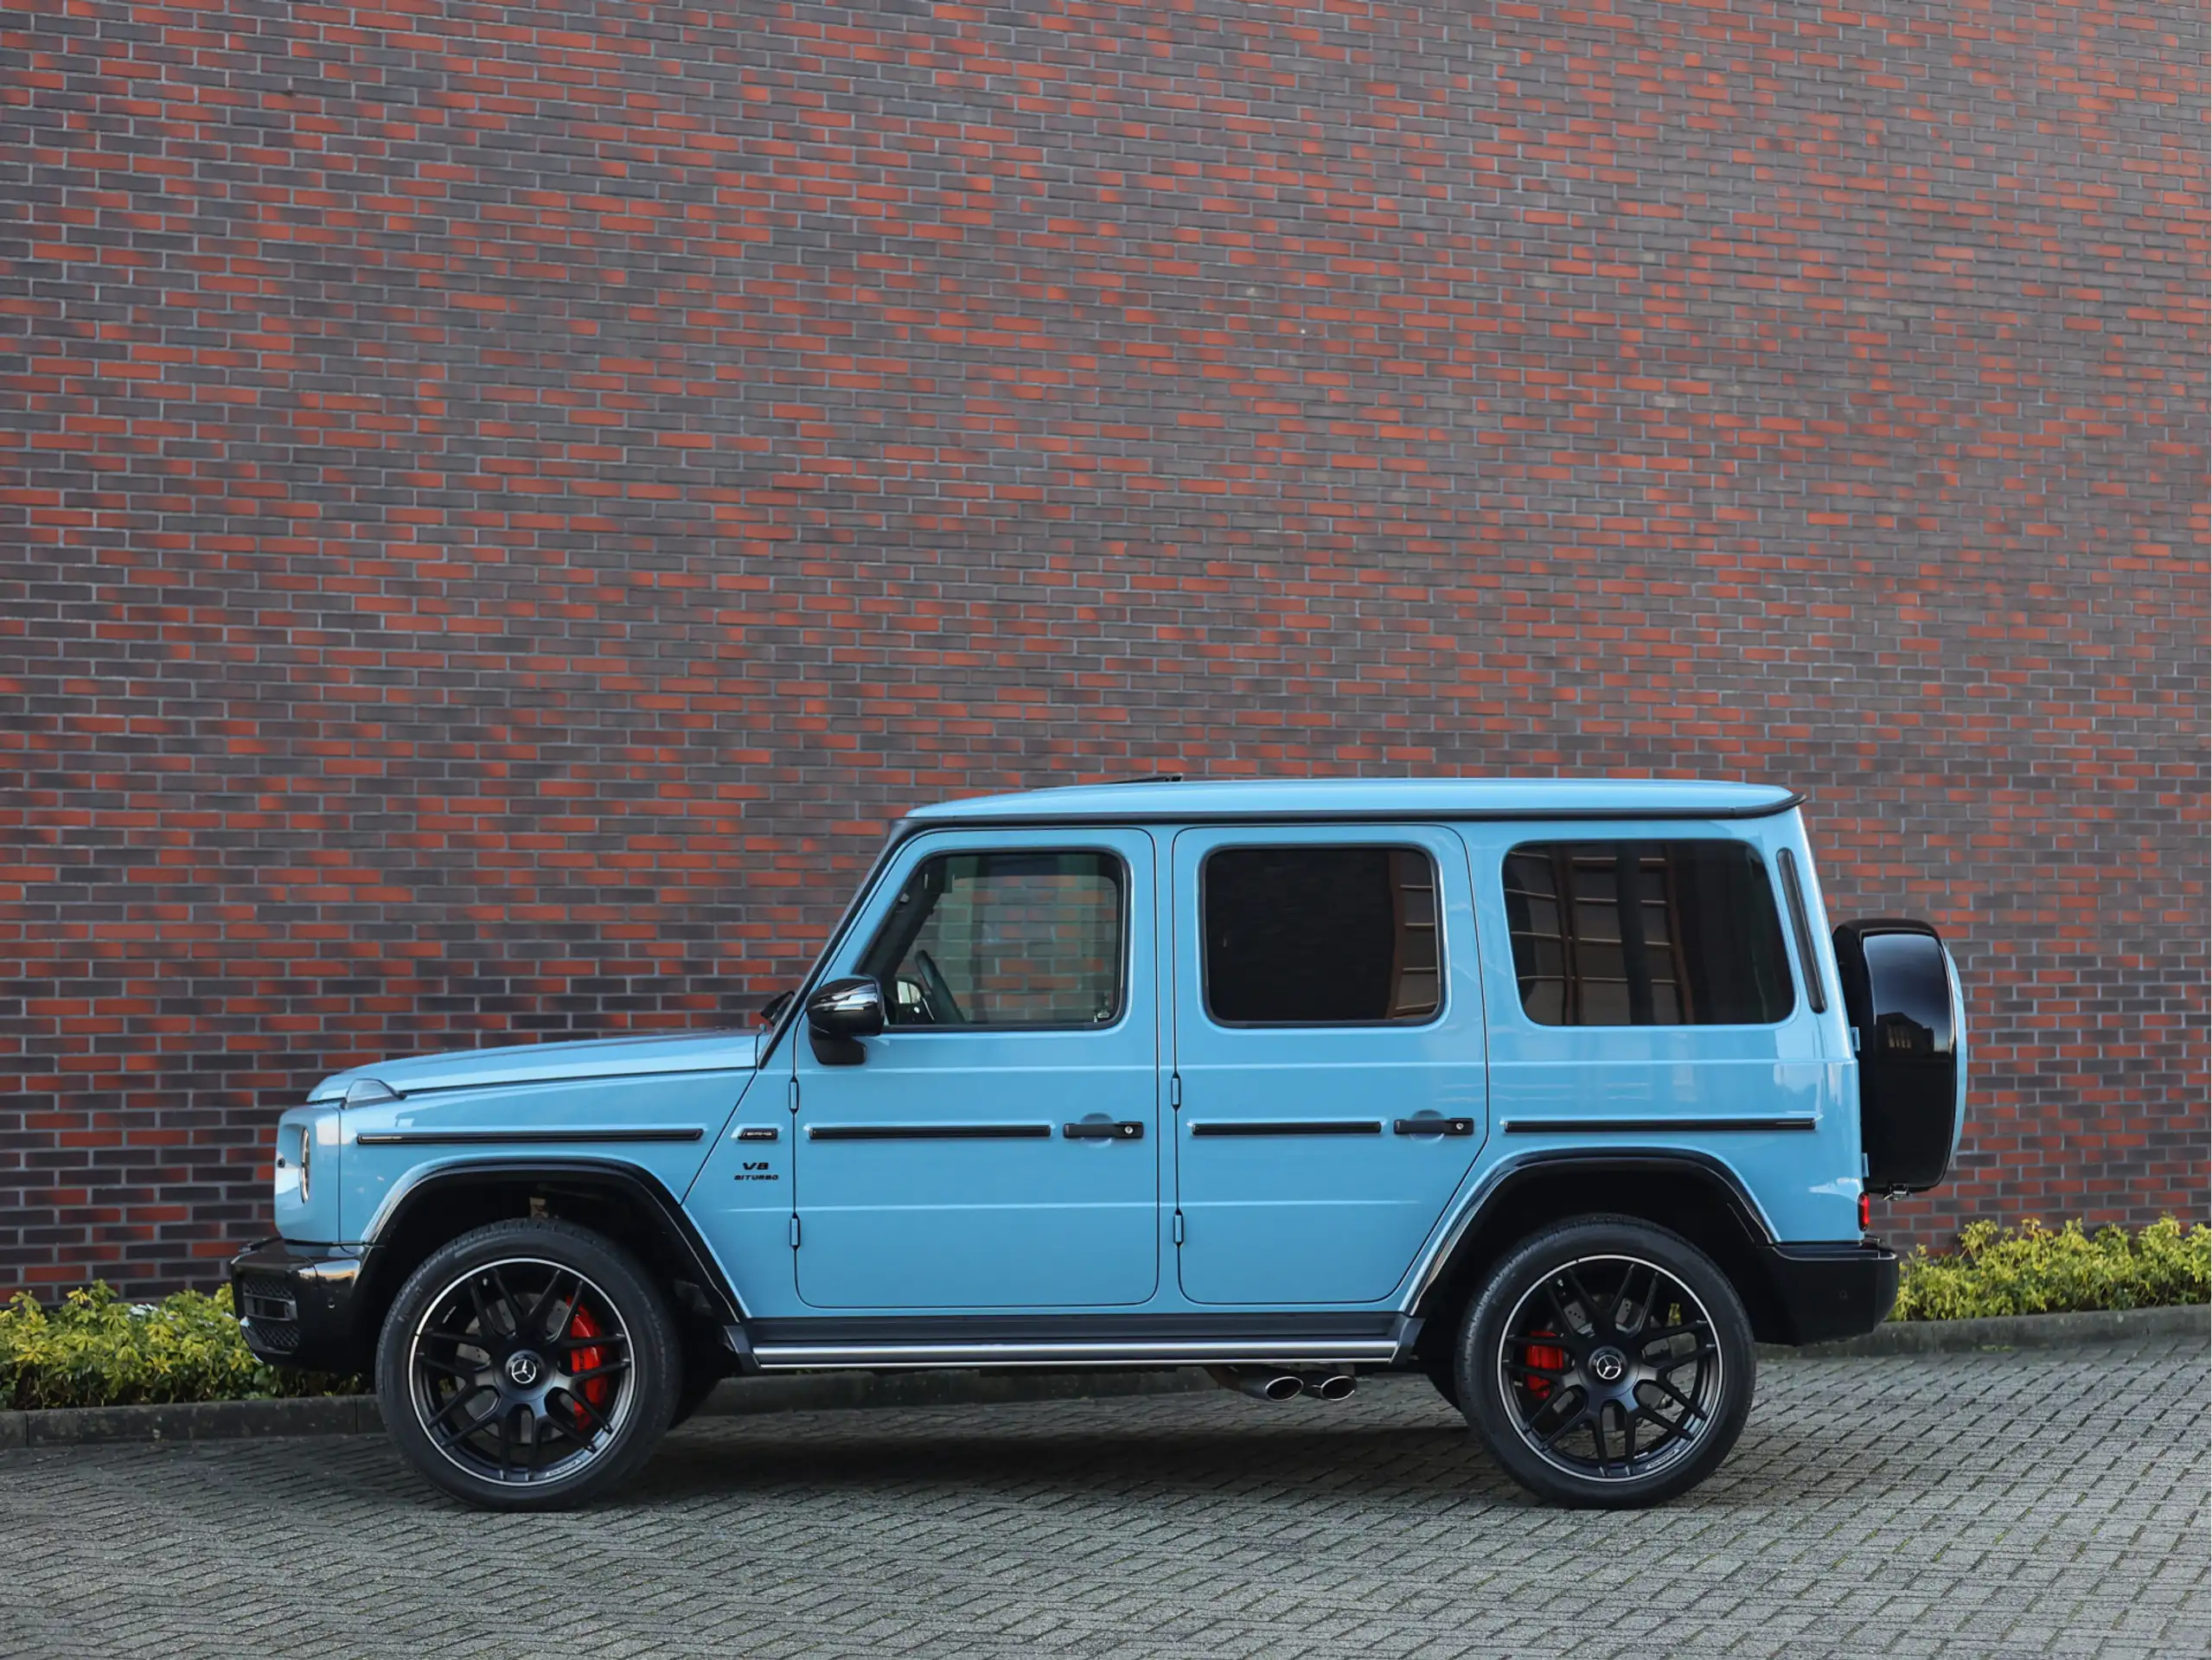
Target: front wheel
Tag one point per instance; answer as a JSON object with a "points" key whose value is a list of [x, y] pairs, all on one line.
{"points": [[528, 1365], [1607, 1363]]}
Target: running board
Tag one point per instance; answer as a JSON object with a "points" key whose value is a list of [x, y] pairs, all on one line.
{"points": [[914, 1356]]}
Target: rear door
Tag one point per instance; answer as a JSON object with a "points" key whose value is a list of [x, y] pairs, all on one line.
{"points": [[1328, 1056]]}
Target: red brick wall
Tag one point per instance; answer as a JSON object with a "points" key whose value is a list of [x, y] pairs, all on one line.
{"points": [[501, 504]]}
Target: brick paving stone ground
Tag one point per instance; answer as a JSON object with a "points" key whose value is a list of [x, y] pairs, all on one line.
{"points": [[2014, 1504]]}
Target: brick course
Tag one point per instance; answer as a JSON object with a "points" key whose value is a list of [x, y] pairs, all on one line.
{"points": [[500, 505]]}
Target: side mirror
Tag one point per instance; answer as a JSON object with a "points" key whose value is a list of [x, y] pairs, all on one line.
{"points": [[839, 1014]]}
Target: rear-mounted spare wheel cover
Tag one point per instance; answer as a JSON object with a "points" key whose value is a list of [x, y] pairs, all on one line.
{"points": [[1899, 995]]}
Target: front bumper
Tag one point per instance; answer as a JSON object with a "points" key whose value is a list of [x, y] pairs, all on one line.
{"points": [[297, 1305], [1843, 1288]]}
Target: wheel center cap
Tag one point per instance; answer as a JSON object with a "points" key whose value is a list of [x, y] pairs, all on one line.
{"points": [[1606, 1365], [524, 1368]]}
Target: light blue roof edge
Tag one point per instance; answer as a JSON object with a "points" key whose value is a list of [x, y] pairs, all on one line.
{"points": [[1202, 799]]}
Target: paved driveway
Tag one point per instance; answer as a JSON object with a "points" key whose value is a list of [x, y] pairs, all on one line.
{"points": [[2052, 1503]]}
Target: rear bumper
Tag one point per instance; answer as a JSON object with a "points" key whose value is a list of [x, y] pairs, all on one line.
{"points": [[297, 1307], [1843, 1288]]}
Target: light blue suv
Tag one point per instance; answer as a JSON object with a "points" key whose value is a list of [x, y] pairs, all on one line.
{"points": [[1558, 1092]]}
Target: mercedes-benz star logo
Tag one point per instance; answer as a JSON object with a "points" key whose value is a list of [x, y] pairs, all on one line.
{"points": [[522, 1370], [1607, 1365]]}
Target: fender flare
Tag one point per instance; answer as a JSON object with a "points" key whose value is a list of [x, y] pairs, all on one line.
{"points": [[1508, 1175], [639, 1186]]}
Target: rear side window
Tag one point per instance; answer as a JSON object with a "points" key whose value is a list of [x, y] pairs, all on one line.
{"points": [[1646, 934], [1319, 935]]}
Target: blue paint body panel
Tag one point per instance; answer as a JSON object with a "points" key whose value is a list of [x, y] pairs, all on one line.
{"points": [[530, 1120], [975, 1222], [1805, 1181], [1283, 1217], [609, 1057], [1168, 1222]]}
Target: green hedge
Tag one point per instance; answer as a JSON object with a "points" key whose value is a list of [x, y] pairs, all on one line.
{"points": [[98, 1350], [2032, 1270]]}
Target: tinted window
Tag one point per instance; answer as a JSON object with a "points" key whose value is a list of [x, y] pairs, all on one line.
{"points": [[1319, 935], [1010, 939], [1646, 934]]}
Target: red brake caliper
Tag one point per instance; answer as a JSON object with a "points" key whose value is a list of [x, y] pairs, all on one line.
{"points": [[593, 1389], [1544, 1355]]}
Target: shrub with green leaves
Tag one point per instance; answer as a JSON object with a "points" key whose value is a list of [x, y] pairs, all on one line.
{"points": [[95, 1350], [2033, 1270]]}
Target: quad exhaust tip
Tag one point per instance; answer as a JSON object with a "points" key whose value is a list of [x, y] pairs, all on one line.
{"points": [[1270, 1383]]}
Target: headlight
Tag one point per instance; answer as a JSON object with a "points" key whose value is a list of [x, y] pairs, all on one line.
{"points": [[305, 1199]]}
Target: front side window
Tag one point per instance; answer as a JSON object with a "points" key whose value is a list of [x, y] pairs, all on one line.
{"points": [[1646, 934], [1003, 939], [1319, 935]]}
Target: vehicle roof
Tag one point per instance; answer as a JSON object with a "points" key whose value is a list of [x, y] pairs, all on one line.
{"points": [[1392, 798]]}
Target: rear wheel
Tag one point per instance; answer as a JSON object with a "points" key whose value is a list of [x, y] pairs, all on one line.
{"points": [[1608, 1363], [528, 1365]]}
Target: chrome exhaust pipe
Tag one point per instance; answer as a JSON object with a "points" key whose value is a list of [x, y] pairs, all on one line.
{"points": [[1261, 1383], [1330, 1386]]}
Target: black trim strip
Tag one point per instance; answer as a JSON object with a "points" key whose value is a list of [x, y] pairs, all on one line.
{"points": [[929, 1132], [1816, 992], [1291, 1332], [515, 1137], [1291, 1126], [1641, 1126]]}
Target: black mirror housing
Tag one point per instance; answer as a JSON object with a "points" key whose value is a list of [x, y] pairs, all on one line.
{"points": [[841, 1013], [852, 1007]]}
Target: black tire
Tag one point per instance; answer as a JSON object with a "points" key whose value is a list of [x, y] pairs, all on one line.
{"points": [[1607, 1363], [1444, 1374], [528, 1365], [699, 1381]]}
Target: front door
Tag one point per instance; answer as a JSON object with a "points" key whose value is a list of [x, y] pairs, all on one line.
{"points": [[998, 1146], [1328, 1056]]}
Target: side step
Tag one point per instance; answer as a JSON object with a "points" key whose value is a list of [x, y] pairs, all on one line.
{"points": [[1328, 1353]]}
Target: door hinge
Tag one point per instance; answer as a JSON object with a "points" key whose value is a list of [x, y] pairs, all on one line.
{"points": [[1175, 1090], [794, 1232], [1178, 1227], [791, 1097]]}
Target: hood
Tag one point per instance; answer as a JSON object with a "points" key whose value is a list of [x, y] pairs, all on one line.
{"points": [[736, 1050]]}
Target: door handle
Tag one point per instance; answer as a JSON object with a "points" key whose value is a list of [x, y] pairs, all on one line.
{"points": [[1434, 1127], [1128, 1129]]}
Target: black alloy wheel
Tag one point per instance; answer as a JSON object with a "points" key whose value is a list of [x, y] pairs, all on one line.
{"points": [[528, 1365], [1608, 1363]]}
